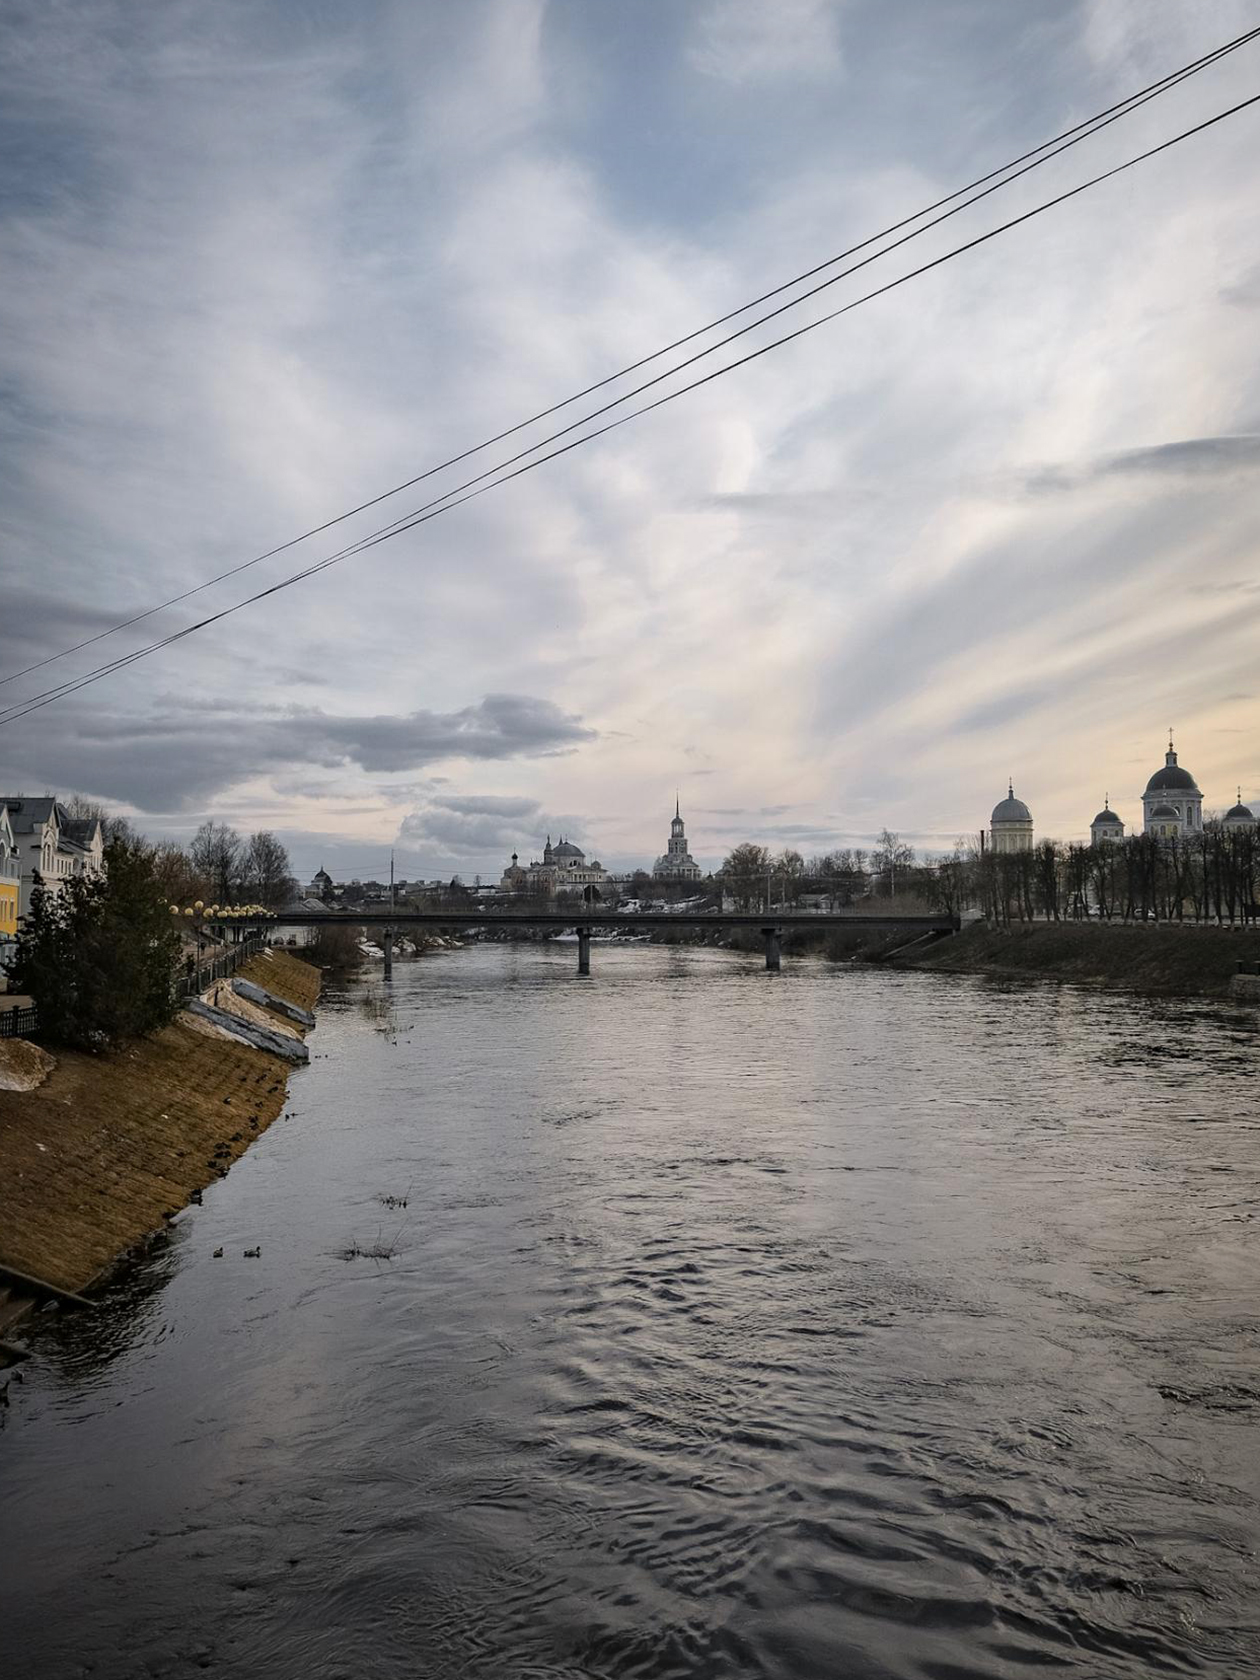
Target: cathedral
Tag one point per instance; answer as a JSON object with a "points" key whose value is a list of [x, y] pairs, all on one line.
{"points": [[563, 872], [677, 864], [1172, 805], [1011, 825], [1172, 809]]}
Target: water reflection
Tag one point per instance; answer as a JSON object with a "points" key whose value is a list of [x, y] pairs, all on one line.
{"points": [[840, 1324]]}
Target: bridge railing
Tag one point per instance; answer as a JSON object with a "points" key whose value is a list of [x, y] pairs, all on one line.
{"points": [[195, 980]]}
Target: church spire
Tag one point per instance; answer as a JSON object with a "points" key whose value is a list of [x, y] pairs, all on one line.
{"points": [[677, 808]]}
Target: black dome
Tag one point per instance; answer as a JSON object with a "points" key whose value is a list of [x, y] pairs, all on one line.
{"points": [[1172, 776]]}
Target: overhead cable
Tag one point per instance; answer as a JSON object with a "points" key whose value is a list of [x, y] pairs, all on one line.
{"points": [[1000, 177], [35, 702]]}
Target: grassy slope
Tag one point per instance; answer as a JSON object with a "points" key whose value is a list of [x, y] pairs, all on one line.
{"points": [[108, 1146], [1186, 960]]}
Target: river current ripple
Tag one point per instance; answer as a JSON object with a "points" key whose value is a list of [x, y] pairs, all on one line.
{"points": [[825, 1324]]}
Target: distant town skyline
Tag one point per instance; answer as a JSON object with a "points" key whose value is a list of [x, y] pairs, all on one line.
{"points": [[1000, 523]]}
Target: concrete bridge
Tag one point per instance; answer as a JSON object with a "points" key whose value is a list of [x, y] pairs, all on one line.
{"points": [[584, 920]]}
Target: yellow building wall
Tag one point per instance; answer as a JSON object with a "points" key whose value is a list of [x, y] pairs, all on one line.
{"points": [[8, 908]]}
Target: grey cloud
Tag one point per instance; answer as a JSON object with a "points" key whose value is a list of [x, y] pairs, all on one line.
{"points": [[458, 834], [1002, 708], [35, 624], [500, 726], [1202, 457], [486, 805], [792, 504], [185, 754], [1235, 587], [1244, 293], [479, 830]]}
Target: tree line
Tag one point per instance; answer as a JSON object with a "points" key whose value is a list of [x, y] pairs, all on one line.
{"points": [[753, 875], [1212, 875], [218, 865]]}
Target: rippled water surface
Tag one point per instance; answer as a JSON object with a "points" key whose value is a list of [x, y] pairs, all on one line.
{"points": [[827, 1324]]}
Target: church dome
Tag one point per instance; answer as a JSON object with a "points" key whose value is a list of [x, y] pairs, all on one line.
{"points": [[1107, 816], [1172, 778], [1163, 813], [566, 849], [1011, 809], [1239, 813]]}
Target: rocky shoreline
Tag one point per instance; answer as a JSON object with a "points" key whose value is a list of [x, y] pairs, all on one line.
{"points": [[107, 1149]]}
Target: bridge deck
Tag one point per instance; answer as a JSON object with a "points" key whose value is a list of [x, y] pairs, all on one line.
{"points": [[785, 920]]}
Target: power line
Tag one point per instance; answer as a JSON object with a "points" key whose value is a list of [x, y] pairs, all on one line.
{"points": [[36, 702], [1010, 171]]}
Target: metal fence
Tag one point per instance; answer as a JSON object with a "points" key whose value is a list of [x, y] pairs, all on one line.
{"points": [[18, 1023], [204, 974], [24, 1023]]}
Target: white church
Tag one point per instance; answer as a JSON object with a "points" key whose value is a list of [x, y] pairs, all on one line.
{"points": [[1172, 809], [677, 863]]}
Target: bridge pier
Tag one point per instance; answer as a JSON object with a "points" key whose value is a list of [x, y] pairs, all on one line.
{"points": [[584, 950], [387, 947], [773, 949]]}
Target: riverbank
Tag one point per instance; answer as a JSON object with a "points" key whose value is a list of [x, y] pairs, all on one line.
{"points": [[109, 1147], [1185, 961]]}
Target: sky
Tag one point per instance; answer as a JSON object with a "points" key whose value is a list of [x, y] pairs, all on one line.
{"points": [[265, 261]]}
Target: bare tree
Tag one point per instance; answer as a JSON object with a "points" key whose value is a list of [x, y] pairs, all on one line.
{"points": [[789, 866], [216, 854], [91, 810], [744, 873], [176, 876], [265, 874], [891, 856]]}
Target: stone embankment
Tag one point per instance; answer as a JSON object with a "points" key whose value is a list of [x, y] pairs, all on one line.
{"points": [[105, 1149], [1163, 958]]}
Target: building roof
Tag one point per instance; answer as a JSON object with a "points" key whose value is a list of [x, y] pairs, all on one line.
{"points": [[1165, 813], [26, 814], [1172, 778], [82, 830], [1107, 818], [1239, 813], [566, 848], [1011, 809]]}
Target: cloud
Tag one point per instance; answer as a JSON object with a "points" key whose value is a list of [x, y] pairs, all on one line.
{"points": [[486, 805], [187, 753], [255, 274], [747, 41], [999, 710], [465, 831], [500, 726], [1202, 457]]}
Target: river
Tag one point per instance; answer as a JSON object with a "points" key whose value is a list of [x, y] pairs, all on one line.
{"points": [[831, 1323]]}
